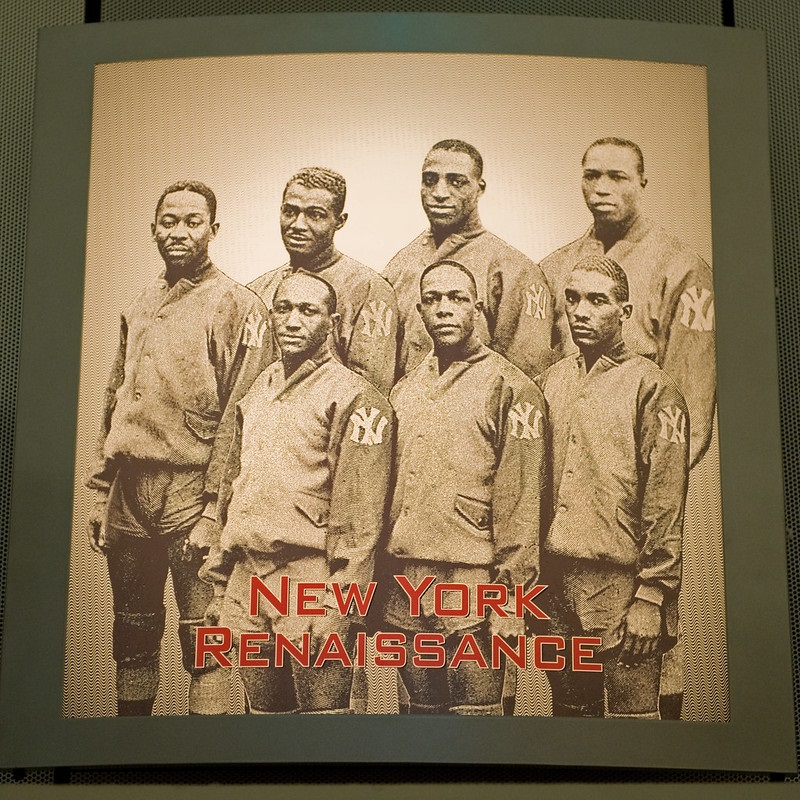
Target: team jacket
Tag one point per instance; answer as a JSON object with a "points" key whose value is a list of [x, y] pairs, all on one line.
{"points": [[309, 469], [620, 440], [366, 341], [673, 312], [517, 304], [184, 353], [469, 466]]}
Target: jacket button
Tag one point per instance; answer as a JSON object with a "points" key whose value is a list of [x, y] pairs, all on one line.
{"points": [[137, 395], [562, 508], [483, 521]]}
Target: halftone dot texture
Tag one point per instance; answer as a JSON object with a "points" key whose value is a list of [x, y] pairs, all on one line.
{"points": [[781, 21]]}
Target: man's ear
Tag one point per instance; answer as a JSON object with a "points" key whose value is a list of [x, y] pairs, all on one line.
{"points": [[336, 320], [153, 231], [342, 218], [214, 229], [478, 308], [643, 181], [482, 185], [627, 310], [419, 308]]}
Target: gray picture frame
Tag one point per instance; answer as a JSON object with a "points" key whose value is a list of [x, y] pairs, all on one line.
{"points": [[760, 735]]}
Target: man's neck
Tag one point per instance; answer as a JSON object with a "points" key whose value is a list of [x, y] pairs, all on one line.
{"points": [[174, 272], [445, 356], [291, 363], [609, 233], [440, 233], [591, 355], [313, 263]]}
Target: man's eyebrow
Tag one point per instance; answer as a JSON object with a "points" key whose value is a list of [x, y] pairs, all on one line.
{"points": [[597, 296]]}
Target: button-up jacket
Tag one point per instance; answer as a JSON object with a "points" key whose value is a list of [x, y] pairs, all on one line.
{"points": [[620, 438], [184, 352], [309, 468], [469, 466]]}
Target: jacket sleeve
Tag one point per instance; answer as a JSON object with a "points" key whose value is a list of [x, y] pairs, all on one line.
{"points": [[663, 443], [689, 357], [104, 468], [521, 305], [364, 442], [242, 347], [372, 350], [519, 483]]}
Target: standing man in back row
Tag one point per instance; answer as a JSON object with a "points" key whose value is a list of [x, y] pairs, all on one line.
{"points": [[672, 293], [190, 345], [312, 210], [517, 307]]}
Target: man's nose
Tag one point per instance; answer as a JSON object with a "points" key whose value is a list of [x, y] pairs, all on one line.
{"points": [[179, 231], [582, 309], [300, 221], [446, 306], [603, 185], [441, 190], [293, 321]]}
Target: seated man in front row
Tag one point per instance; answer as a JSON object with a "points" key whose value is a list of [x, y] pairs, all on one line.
{"points": [[304, 496], [612, 557], [471, 432]]}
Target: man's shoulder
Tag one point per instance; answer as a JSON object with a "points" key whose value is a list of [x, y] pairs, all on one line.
{"points": [[490, 243], [353, 273], [262, 283], [565, 252], [410, 252], [673, 252], [348, 385]]}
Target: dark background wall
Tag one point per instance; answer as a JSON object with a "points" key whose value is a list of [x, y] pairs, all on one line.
{"points": [[780, 20]]}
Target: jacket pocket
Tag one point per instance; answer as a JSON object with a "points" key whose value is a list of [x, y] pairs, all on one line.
{"points": [[628, 523], [315, 509], [203, 426], [478, 513]]}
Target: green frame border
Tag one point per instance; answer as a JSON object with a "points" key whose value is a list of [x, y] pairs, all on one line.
{"points": [[761, 734]]}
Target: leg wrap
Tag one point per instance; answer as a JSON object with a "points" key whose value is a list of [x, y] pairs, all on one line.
{"points": [[137, 638]]}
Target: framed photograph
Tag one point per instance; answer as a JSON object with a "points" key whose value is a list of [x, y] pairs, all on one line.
{"points": [[513, 149]]}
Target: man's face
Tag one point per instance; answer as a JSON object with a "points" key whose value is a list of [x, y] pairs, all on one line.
{"points": [[595, 315], [451, 188], [308, 221], [448, 306], [612, 185], [183, 229], [300, 316]]}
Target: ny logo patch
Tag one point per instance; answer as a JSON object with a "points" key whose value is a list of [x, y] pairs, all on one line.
{"points": [[377, 318], [698, 309], [521, 426], [536, 301], [673, 424], [255, 326], [367, 427]]}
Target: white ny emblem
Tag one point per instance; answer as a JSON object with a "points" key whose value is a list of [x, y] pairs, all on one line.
{"points": [[536, 301], [520, 424], [255, 327], [377, 318], [696, 315], [367, 429], [673, 424]]}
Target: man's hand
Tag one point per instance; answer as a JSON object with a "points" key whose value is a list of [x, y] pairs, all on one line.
{"points": [[205, 534], [642, 631], [96, 525], [508, 627]]}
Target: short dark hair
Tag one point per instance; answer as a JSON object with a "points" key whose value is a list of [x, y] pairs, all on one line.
{"points": [[322, 178], [446, 262], [330, 297], [627, 143], [611, 269], [457, 146], [191, 186]]}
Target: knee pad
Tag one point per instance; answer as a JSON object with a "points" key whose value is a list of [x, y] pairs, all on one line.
{"points": [[187, 634], [137, 637]]}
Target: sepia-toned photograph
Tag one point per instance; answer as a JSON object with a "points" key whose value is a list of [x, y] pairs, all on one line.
{"points": [[398, 391]]}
